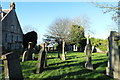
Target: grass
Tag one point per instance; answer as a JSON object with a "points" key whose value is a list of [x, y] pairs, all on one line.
{"points": [[71, 68]]}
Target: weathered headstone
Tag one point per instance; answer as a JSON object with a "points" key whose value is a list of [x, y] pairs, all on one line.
{"points": [[88, 63], [30, 51], [24, 56], [63, 51], [113, 68], [12, 68], [27, 55], [75, 48], [33, 56], [42, 60]]}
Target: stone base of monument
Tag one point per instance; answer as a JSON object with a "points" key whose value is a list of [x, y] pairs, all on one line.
{"points": [[116, 75], [109, 72], [113, 74], [89, 66]]}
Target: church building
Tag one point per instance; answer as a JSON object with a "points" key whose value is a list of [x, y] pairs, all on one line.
{"points": [[12, 34]]}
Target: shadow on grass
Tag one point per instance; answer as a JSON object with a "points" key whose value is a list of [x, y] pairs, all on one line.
{"points": [[52, 57], [61, 63], [83, 74], [67, 65], [70, 57], [52, 52], [98, 59], [99, 64], [73, 57]]}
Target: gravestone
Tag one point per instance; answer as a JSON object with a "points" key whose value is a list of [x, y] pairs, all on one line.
{"points": [[74, 48], [63, 51], [24, 56], [30, 51], [12, 68], [42, 60], [88, 63], [113, 68], [28, 54], [33, 56]]}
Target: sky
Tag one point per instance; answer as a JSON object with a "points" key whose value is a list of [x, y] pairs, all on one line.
{"points": [[40, 15]]}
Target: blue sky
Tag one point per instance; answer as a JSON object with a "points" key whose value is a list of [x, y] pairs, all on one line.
{"points": [[41, 14]]}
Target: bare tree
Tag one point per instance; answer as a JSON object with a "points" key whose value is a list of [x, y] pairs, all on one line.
{"points": [[83, 21], [109, 7], [60, 30], [115, 9], [113, 26]]}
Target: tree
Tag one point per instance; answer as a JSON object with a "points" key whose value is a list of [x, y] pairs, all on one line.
{"points": [[60, 31], [77, 35], [109, 7], [114, 8], [113, 26], [61, 28], [83, 21], [99, 43]]}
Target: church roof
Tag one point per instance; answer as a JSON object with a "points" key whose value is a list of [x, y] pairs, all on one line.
{"points": [[5, 12]]}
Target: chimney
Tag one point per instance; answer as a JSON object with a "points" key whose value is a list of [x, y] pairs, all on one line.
{"points": [[12, 5]]}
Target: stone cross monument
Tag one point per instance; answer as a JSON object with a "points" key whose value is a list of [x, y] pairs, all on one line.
{"points": [[88, 47]]}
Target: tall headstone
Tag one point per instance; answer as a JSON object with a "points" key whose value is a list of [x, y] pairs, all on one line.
{"points": [[27, 55], [30, 51], [63, 51], [88, 50], [12, 68], [24, 56], [113, 68], [42, 60], [75, 48]]}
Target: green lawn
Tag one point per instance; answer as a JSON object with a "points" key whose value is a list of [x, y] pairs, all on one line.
{"points": [[72, 68]]}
